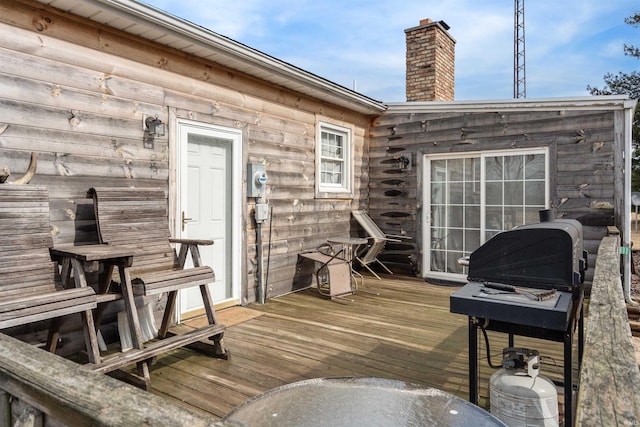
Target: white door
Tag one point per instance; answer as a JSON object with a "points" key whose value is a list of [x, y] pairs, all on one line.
{"points": [[209, 199]]}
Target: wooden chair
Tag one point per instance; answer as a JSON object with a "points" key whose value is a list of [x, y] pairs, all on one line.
{"points": [[377, 242], [136, 219], [30, 287]]}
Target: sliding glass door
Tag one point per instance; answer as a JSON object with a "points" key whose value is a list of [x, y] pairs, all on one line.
{"points": [[473, 196]]}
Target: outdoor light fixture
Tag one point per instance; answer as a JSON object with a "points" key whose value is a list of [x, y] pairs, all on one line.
{"points": [[154, 125], [404, 163]]}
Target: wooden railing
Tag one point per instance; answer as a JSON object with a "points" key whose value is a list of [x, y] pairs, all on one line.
{"points": [[40, 388], [609, 375]]}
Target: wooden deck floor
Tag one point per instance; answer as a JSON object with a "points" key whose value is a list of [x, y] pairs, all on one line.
{"points": [[406, 333]]}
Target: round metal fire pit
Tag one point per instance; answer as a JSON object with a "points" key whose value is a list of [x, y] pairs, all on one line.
{"points": [[350, 402]]}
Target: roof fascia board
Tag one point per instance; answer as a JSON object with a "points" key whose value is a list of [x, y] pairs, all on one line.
{"points": [[605, 102]]}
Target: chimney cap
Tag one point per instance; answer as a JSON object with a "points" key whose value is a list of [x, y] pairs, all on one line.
{"points": [[428, 22]]}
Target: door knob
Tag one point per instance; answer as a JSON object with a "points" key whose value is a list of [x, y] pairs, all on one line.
{"points": [[185, 220]]}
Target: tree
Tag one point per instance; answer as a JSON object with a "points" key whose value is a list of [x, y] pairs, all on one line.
{"points": [[627, 84]]}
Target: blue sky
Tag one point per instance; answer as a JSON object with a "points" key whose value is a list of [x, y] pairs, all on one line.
{"points": [[569, 43]]}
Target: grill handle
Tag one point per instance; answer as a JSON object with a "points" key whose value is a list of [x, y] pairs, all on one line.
{"points": [[500, 287]]}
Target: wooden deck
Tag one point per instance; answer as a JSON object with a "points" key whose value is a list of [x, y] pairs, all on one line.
{"points": [[405, 333]]}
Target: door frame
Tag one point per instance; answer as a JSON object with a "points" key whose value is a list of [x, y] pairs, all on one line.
{"points": [[236, 136]]}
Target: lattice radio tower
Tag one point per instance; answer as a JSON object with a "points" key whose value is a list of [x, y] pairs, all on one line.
{"points": [[519, 69]]}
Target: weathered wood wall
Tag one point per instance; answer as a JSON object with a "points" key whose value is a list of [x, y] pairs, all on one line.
{"points": [[582, 150], [76, 93]]}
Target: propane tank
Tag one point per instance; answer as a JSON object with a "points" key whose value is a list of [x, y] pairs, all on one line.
{"points": [[518, 395]]}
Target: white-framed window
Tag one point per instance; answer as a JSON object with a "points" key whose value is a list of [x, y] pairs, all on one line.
{"points": [[333, 161], [473, 196]]}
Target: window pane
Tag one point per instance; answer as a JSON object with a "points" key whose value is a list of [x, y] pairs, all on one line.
{"points": [[438, 260], [494, 193], [513, 167], [438, 170], [493, 168], [532, 215], [472, 217], [455, 168], [454, 240], [471, 240], [513, 216], [455, 193], [438, 218], [331, 172], [513, 193], [494, 219], [472, 169], [534, 191], [452, 262], [472, 193], [520, 191], [534, 168], [332, 146], [438, 238], [456, 216], [438, 193]]}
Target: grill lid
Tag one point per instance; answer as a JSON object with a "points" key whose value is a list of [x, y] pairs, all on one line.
{"points": [[543, 255]]}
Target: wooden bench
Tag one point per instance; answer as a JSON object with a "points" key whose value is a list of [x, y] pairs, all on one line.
{"points": [[333, 276], [136, 220], [29, 280]]}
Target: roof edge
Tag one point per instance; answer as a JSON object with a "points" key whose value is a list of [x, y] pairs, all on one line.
{"points": [[605, 102]]}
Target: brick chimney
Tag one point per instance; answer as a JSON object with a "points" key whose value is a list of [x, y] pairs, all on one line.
{"points": [[430, 62]]}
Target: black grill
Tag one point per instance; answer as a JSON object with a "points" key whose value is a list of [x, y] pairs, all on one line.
{"points": [[545, 255], [527, 281], [507, 272]]}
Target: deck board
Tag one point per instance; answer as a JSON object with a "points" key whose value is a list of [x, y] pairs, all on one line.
{"points": [[406, 333]]}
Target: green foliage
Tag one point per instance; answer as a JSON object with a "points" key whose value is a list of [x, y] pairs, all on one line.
{"points": [[627, 84], [634, 21]]}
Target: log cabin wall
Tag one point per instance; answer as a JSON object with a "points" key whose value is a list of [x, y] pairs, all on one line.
{"points": [[75, 92], [585, 163]]}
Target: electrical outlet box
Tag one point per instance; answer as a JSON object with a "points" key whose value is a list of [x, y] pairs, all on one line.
{"points": [[256, 180], [262, 212]]}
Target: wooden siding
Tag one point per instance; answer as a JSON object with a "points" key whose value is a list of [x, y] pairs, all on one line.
{"points": [[582, 156], [76, 93]]}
